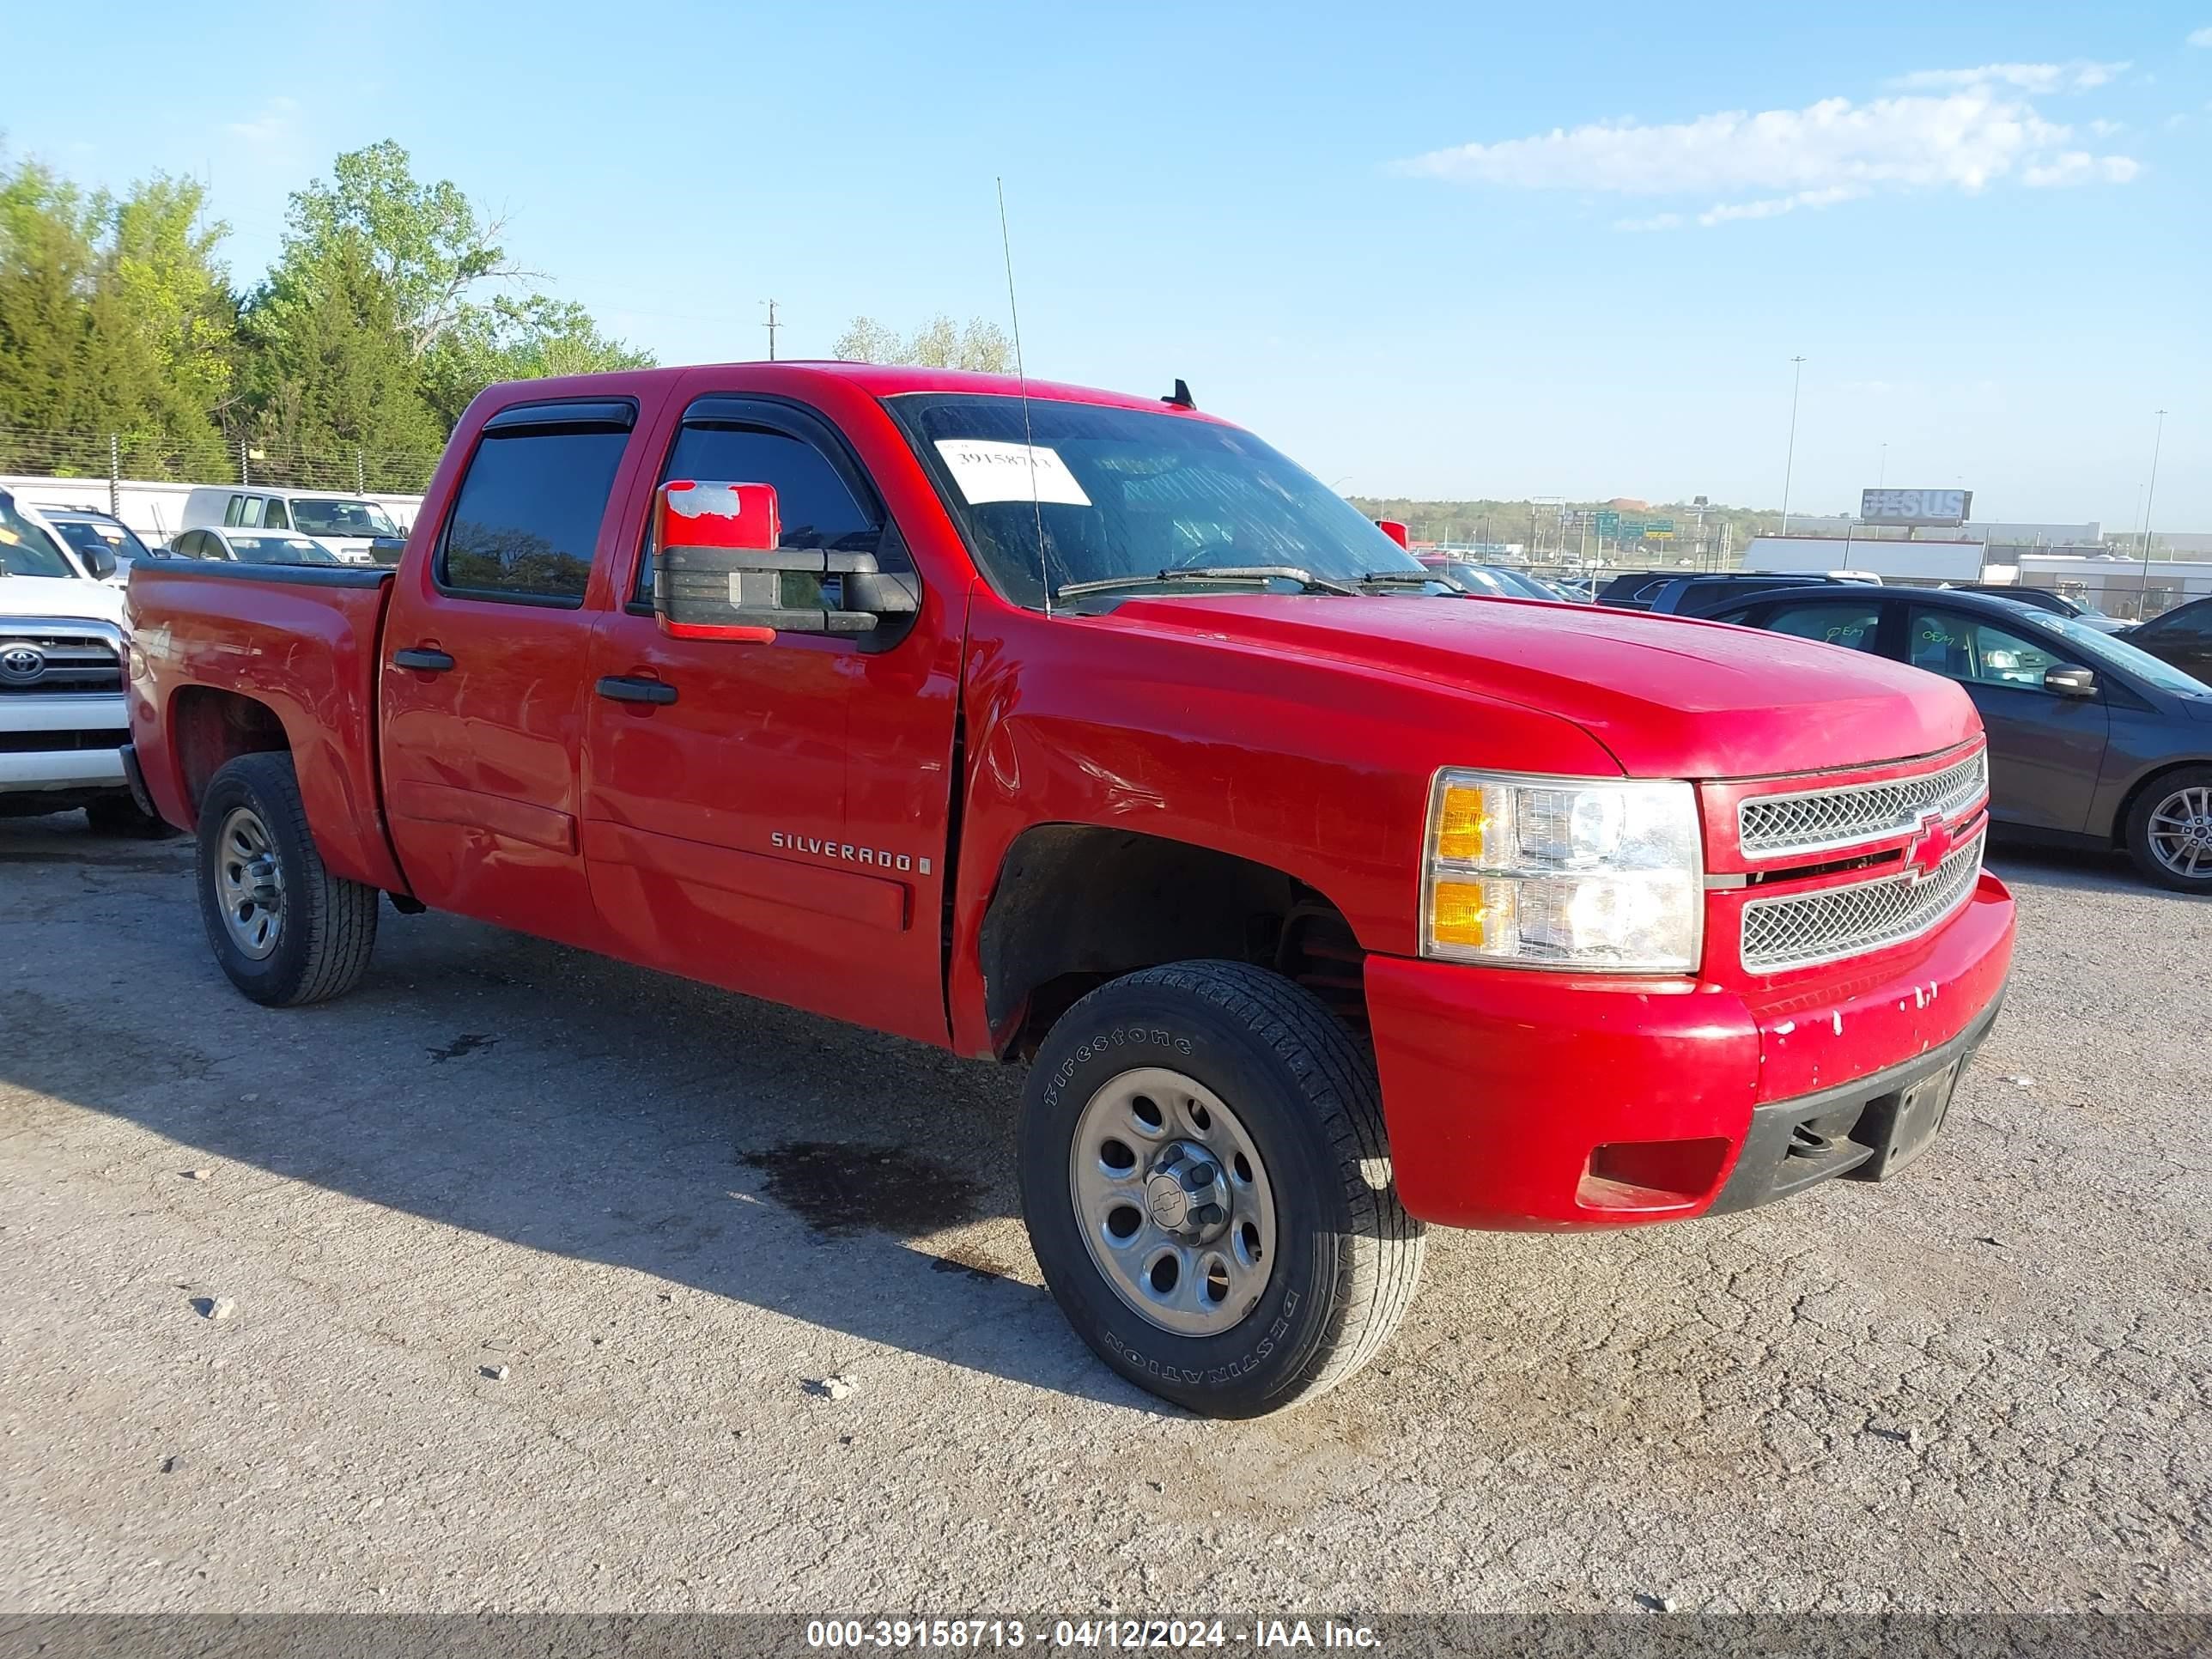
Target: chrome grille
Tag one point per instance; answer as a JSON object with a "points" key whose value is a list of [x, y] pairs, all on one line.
{"points": [[1802, 930], [1827, 820], [67, 662]]}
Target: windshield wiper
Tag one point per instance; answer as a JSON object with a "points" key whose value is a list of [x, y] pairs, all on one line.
{"points": [[1408, 578], [1217, 573]]}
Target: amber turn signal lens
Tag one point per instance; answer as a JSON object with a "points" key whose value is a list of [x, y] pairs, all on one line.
{"points": [[1457, 914], [1463, 824]]}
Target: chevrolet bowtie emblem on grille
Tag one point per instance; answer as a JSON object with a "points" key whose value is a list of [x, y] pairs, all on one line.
{"points": [[1925, 852]]}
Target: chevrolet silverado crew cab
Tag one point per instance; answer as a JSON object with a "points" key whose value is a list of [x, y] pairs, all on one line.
{"points": [[1322, 900]]}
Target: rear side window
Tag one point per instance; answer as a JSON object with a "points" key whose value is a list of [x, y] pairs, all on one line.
{"points": [[1855, 625], [527, 516], [234, 510]]}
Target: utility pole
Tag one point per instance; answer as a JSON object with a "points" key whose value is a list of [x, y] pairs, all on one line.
{"points": [[1789, 462], [2150, 495], [1881, 473], [771, 325]]}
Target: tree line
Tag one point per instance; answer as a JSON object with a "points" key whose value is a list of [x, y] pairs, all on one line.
{"points": [[390, 304]]}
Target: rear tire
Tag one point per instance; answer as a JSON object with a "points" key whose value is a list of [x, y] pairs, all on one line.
{"points": [[118, 815], [286, 930], [2170, 828], [1236, 1267]]}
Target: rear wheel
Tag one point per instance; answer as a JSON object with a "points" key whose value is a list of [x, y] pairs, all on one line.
{"points": [[285, 929], [2169, 831], [1206, 1185]]}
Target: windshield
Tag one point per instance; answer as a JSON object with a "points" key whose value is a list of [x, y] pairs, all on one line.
{"points": [[1510, 583], [336, 517], [2100, 647], [89, 536], [25, 548], [1125, 492], [280, 549]]}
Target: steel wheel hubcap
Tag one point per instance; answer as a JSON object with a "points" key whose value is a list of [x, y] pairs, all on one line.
{"points": [[2181, 832], [249, 882], [1173, 1201]]}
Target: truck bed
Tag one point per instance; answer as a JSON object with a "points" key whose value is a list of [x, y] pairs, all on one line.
{"points": [[299, 640]]}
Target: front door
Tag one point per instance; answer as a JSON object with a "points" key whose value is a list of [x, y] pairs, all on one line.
{"points": [[772, 816], [486, 645], [2046, 749]]}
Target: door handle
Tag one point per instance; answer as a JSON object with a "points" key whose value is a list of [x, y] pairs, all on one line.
{"points": [[635, 688], [417, 656]]}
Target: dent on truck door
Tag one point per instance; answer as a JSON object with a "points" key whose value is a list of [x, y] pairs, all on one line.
{"points": [[770, 815], [485, 648]]}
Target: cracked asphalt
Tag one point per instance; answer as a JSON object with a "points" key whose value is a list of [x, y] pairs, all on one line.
{"points": [[671, 1214]]}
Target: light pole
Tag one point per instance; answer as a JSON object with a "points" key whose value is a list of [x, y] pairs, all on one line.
{"points": [[1789, 463], [1882, 472], [2150, 494]]}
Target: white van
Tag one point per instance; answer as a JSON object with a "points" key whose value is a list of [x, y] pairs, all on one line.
{"points": [[356, 531]]}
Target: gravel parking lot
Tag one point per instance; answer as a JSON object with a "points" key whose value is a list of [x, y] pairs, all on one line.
{"points": [[514, 1281]]}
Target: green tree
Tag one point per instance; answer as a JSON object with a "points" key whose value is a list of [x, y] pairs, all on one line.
{"points": [[938, 344], [524, 339], [164, 323], [47, 262]]}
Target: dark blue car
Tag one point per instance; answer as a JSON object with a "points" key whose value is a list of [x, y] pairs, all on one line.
{"points": [[2092, 741]]}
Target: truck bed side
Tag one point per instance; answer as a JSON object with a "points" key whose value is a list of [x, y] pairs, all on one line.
{"points": [[230, 659]]}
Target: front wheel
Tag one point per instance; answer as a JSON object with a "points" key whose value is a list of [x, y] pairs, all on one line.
{"points": [[283, 927], [2169, 831], [1206, 1185]]}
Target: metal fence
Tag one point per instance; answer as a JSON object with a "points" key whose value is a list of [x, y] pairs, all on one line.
{"points": [[113, 456]]}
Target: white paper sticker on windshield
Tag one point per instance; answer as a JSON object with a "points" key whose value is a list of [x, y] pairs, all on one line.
{"points": [[987, 470]]}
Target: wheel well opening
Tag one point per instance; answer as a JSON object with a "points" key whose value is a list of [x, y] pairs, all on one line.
{"points": [[211, 727], [1077, 905]]}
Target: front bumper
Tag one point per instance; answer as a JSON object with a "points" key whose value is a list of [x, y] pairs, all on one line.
{"points": [[1526, 1100]]}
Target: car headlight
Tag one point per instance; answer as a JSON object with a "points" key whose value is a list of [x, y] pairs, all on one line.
{"points": [[1597, 874]]}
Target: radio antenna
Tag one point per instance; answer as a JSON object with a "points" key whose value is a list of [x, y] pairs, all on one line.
{"points": [[1022, 374]]}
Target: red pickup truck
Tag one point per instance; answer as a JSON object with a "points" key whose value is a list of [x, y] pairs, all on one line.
{"points": [[1054, 725]]}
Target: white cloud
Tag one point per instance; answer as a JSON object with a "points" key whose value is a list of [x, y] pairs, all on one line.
{"points": [[1783, 160], [2077, 75], [2103, 129], [2200, 37], [272, 126], [2078, 167]]}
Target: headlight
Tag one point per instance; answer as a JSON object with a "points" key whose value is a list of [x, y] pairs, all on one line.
{"points": [[1563, 872]]}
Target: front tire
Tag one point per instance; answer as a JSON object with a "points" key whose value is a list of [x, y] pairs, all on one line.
{"points": [[285, 930], [1206, 1183], [2169, 831]]}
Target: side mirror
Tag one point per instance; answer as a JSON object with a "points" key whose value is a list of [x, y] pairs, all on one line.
{"points": [[102, 560], [719, 574], [2070, 682], [1392, 529]]}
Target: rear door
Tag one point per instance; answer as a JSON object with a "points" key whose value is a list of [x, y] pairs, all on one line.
{"points": [[486, 645], [2046, 749], [775, 823]]}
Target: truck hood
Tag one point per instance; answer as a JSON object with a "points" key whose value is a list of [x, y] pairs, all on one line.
{"points": [[74, 597], [1668, 696]]}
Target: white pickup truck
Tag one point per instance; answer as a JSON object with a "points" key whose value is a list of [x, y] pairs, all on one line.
{"points": [[61, 721]]}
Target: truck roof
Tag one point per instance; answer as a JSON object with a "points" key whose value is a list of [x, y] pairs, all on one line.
{"points": [[878, 380]]}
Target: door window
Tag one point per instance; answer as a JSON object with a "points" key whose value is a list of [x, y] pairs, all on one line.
{"points": [[250, 518], [276, 517], [1963, 647], [817, 507], [527, 515], [1856, 623]]}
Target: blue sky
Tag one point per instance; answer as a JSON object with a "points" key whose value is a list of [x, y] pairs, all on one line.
{"points": [[1436, 249]]}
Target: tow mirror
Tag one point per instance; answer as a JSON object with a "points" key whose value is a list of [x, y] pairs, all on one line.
{"points": [[2070, 682], [718, 573]]}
